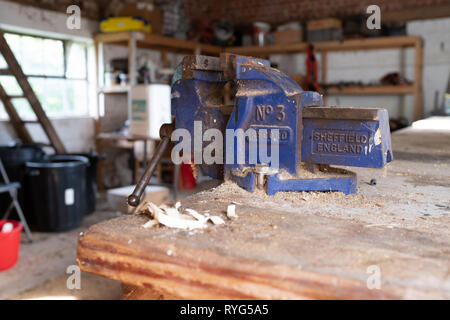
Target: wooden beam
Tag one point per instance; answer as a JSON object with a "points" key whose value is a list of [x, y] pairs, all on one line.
{"points": [[356, 90], [14, 118], [132, 60], [428, 12], [157, 42], [346, 45], [5, 72], [171, 43], [418, 79], [112, 37], [324, 75], [22, 80]]}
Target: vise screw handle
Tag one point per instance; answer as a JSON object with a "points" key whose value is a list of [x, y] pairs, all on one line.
{"points": [[165, 133]]}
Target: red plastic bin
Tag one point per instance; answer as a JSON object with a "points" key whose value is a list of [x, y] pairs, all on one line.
{"points": [[9, 245]]}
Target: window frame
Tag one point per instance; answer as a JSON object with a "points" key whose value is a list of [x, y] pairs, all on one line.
{"points": [[65, 56], [64, 77]]}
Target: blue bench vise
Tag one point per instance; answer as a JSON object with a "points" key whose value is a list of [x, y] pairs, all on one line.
{"points": [[237, 92]]}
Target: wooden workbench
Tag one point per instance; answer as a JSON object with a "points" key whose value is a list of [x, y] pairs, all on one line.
{"points": [[297, 245]]}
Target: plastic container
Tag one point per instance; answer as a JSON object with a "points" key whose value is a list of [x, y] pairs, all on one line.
{"points": [[9, 245], [260, 33], [56, 191], [91, 178], [14, 159]]}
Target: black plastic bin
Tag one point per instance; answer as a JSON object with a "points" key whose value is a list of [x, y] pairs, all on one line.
{"points": [[56, 192], [14, 159], [91, 178]]}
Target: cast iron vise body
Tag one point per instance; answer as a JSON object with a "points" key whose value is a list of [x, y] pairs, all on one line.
{"points": [[310, 137], [237, 92]]}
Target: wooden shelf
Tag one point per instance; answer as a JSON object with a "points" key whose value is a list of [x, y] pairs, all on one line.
{"points": [[346, 45], [135, 39], [157, 42], [114, 89], [324, 47], [370, 90]]}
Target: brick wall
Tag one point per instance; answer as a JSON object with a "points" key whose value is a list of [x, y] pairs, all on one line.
{"points": [[91, 9], [242, 12]]}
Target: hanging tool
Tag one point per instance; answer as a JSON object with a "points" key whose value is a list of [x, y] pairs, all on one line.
{"points": [[311, 78]]}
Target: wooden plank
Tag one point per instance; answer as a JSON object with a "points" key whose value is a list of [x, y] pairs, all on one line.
{"points": [[363, 90], [428, 12], [346, 45], [418, 79], [112, 37], [298, 245], [14, 117], [324, 75], [132, 61], [172, 43], [157, 42], [22, 80], [116, 89]]}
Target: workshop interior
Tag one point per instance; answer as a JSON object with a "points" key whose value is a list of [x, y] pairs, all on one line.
{"points": [[224, 150]]}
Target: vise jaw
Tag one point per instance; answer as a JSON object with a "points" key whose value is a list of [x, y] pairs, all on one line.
{"points": [[243, 94]]}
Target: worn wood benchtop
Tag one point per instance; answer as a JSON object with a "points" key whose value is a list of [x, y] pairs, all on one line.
{"points": [[297, 245]]}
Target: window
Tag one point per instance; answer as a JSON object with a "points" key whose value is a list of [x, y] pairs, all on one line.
{"points": [[57, 71]]}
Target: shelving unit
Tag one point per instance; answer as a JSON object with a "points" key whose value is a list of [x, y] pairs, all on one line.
{"points": [[165, 44], [134, 40], [353, 45]]}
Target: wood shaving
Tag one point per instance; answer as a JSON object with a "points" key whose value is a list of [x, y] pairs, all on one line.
{"points": [[173, 218], [197, 215], [216, 220], [231, 211]]}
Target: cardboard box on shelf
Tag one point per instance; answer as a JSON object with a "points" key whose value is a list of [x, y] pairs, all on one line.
{"points": [[330, 23], [288, 36], [324, 30], [148, 11]]}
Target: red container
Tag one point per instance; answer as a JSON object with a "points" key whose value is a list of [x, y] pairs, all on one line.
{"points": [[9, 245]]}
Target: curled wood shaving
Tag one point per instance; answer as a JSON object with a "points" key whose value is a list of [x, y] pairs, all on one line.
{"points": [[231, 211], [173, 218], [216, 220], [197, 215]]}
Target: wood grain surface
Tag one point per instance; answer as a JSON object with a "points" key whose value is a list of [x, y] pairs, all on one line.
{"points": [[297, 245]]}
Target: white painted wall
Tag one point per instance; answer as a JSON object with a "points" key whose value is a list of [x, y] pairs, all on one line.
{"points": [[368, 66], [77, 134], [17, 17]]}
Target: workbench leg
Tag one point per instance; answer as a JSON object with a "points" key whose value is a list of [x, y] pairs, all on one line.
{"points": [[418, 75], [324, 75]]}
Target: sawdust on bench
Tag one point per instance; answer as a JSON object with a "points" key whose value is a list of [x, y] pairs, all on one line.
{"points": [[229, 191]]}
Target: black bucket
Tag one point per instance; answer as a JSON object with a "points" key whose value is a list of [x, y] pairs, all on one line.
{"points": [[91, 177], [56, 192], [91, 180], [14, 159]]}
